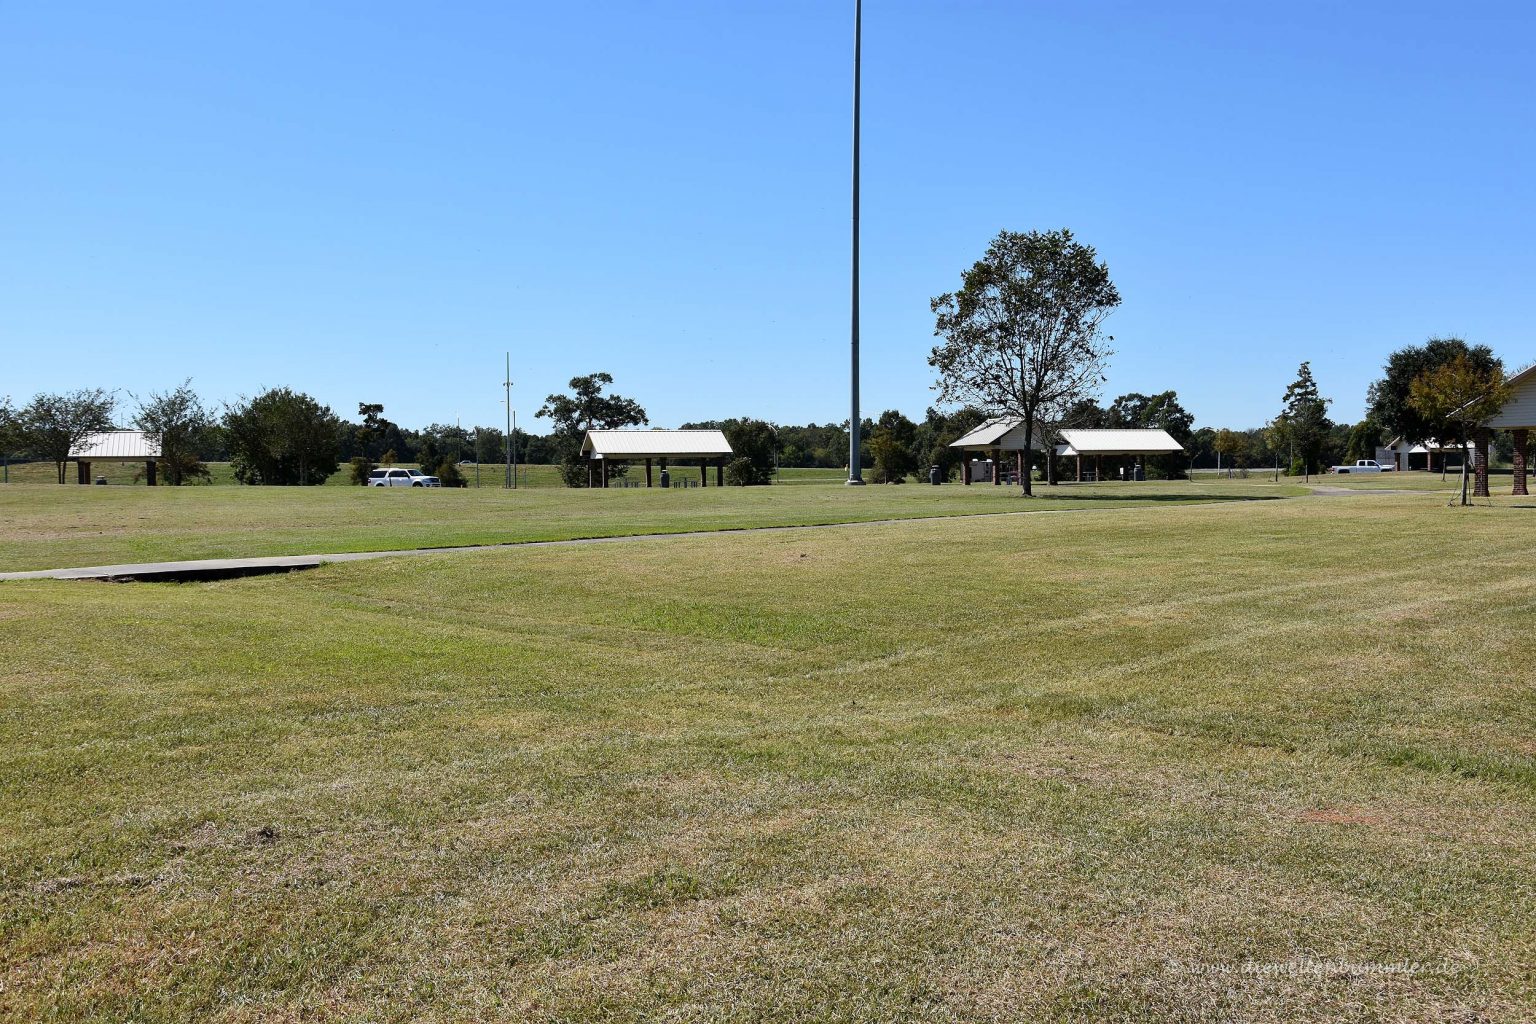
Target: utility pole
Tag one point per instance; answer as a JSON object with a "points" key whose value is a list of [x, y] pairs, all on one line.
{"points": [[855, 471], [511, 481]]}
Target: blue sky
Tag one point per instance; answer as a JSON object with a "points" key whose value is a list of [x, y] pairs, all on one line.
{"points": [[373, 201]]}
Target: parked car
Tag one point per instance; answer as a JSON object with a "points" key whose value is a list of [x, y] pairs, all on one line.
{"points": [[1361, 466], [402, 478]]}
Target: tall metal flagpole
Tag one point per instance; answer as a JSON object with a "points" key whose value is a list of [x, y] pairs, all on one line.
{"points": [[855, 470], [507, 384]]}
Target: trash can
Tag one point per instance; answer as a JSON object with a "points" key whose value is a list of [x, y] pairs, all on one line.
{"points": [[666, 480], [1141, 473], [934, 476]]}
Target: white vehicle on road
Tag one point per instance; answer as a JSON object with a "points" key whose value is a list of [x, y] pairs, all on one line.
{"points": [[1362, 466], [402, 478]]}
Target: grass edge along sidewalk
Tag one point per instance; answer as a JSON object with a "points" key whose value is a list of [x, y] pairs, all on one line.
{"points": [[58, 527]]}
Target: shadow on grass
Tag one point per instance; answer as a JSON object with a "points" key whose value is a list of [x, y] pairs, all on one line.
{"points": [[1142, 499]]}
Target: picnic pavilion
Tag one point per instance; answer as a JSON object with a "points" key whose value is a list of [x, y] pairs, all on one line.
{"points": [[601, 448], [996, 437], [116, 446], [1096, 444]]}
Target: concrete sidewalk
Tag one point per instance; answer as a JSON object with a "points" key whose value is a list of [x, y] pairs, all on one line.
{"points": [[229, 568]]}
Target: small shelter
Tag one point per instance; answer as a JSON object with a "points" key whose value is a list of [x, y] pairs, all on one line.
{"points": [[1401, 452], [116, 446], [1099, 443], [602, 447], [995, 437]]}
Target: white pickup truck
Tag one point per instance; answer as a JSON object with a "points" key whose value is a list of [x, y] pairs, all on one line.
{"points": [[387, 477], [1361, 466]]}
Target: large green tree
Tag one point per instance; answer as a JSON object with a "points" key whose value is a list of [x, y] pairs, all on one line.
{"points": [[180, 422], [1458, 396], [1303, 424], [1390, 399], [893, 445], [53, 425], [586, 408], [755, 449], [283, 437], [1022, 336]]}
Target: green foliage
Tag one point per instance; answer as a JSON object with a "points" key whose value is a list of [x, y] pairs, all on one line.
{"points": [[893, 445], [360, 468], [814, 445], [1390, 398], [389, 458], [1156, 412], [427, 453], [740, 472], [1022, 336], [448, 474], [1364, 438], [177, 418], [1232, 446], [10, 427], [52, 425], [585, 408], [283, 438], [932, 439], [1303, 425], [755, 442]]}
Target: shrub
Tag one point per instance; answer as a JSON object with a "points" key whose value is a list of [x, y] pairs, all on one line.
{"points": [[361, 467], [449, 476], [741, 473], [389, 458]]}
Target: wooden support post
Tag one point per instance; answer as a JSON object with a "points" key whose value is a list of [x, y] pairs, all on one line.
{"points": [[997, 467], [720, 471], [82, 472], [1520, 437], [703, 472], [149, 472], [965, 468], [1018, 462], [1079, 469], [605, 472], [647, 472], [590, 467], [1098, 469]]}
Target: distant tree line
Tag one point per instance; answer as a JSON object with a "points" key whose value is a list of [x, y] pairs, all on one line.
{"points": [[285, 437]]}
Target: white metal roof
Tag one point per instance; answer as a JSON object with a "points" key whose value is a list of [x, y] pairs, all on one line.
{"points": [[125, 445], [1005, 432], [1120, 442], [659, 444], [1431, 445]]}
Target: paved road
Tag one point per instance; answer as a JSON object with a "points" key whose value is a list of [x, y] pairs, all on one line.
{"points": [[227, 568]]}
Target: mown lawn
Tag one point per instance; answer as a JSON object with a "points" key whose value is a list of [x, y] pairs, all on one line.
{"points": [[50, 526], [1237, 762], [221, 474]]}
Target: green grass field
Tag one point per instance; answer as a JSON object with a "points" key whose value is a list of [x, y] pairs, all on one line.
{"points": [[220, 474], [51, 526], [1242, 761]]}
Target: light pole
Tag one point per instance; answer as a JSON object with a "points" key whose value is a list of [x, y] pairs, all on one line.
{"points": [[511, 480], [855, 471]]}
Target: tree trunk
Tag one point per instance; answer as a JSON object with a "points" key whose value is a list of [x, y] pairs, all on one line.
{"points": [[1029, 441]]}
